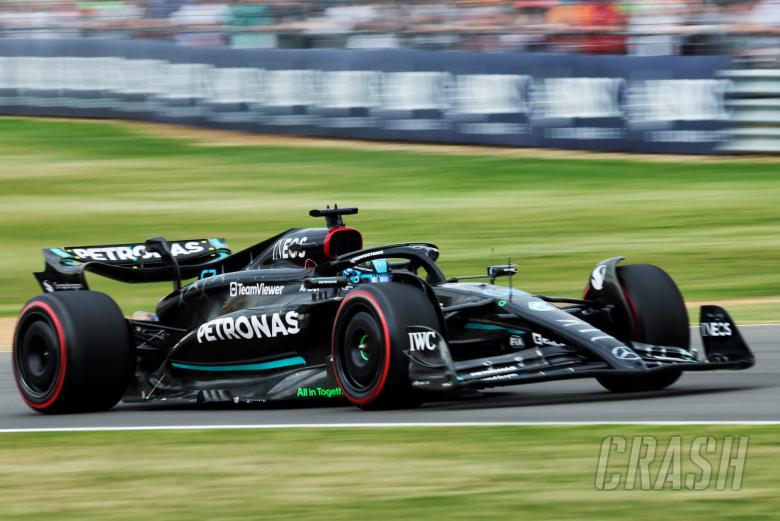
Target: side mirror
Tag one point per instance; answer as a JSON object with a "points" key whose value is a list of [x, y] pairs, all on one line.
{"points": [[501, 270]]}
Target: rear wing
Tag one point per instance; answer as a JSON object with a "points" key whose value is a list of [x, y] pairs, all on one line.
{"points": [[65, 267]]}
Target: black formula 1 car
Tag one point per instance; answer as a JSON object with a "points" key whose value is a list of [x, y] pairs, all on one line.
{"points": [[310, 314]]}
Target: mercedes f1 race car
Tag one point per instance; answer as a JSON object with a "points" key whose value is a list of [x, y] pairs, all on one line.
{"points": [[310, 314]]}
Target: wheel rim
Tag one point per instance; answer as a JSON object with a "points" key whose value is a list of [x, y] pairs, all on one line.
{"points": [[362, 349], [37, 358], [362, 352]]}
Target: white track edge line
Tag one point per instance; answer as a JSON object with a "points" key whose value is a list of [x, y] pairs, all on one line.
{"points": [[385, 425]]}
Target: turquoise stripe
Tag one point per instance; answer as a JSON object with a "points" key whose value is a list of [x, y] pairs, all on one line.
{"points": [[220, 245], [65, 256], [262, 366], [492, 327]]}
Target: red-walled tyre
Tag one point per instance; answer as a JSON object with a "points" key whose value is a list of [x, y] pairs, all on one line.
{"points": [[658, 311], [369, 337], [72, 352]]}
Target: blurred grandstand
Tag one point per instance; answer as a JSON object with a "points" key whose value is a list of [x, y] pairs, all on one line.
{"points": [[666, 76], [748, 29]]}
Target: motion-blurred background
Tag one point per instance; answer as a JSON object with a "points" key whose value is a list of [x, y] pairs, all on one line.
{"points": [[698, 78], [744, 28]]}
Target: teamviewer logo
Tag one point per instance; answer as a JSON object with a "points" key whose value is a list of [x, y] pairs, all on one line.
{"points": [[234, 289]]}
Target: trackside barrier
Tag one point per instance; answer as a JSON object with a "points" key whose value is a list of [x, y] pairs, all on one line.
{"points": [[754, 105], [612, 103]]}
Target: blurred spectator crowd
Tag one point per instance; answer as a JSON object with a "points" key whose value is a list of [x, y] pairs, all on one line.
{"points": [[747, 28]]}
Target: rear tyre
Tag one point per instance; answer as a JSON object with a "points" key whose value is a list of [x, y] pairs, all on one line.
{"points": [[659, 315], [72, 352], [369, 337]]}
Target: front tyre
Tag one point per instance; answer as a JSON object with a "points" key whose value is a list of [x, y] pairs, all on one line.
{"points": [[658, 311], [72, 352], [369, 337]]}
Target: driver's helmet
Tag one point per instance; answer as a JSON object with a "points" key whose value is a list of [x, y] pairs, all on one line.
{"points": [[377, 270]]}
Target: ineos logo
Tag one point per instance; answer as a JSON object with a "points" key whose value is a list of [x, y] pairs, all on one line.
{"points": [[286, 248], [715, 329]]}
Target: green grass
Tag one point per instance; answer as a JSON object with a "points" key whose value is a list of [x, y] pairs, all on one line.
{"points": [[388, 473], [714, 226]]}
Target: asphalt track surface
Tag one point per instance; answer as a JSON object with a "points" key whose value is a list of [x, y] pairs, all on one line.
{"points": [[749, 396]]}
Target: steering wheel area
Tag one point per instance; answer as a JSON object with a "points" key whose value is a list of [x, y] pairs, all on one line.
{"points": [[377, 270], [384, 263], [381, 270]]}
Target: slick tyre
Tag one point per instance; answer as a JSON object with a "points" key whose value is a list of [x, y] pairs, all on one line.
{"points": [[72, 352], [658, 311], [369, 337]]}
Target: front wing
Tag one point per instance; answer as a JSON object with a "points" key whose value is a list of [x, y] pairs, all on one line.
{"points": [[432, 367]]}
